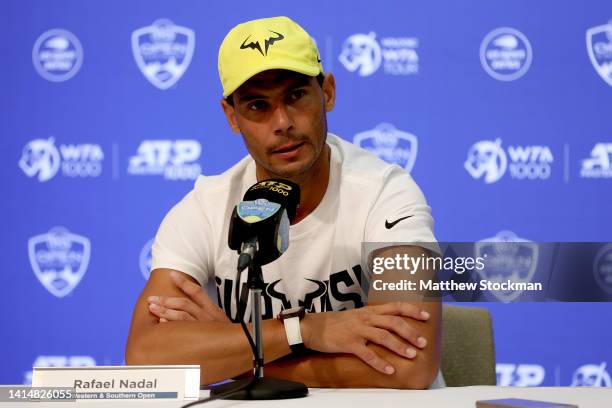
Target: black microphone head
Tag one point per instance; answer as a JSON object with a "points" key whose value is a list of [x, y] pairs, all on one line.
{"points": [[283, 192]]}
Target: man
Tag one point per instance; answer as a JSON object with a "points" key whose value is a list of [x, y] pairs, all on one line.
{"points": [[277, 96]]}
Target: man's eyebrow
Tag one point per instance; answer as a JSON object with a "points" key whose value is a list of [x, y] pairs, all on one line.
{"points": [[250, 97]]}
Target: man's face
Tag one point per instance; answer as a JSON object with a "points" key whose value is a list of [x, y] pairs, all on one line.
{"points": [[282, 118]]}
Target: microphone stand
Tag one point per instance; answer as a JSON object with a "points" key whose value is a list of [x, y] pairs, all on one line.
{"points": [[259, 387]]}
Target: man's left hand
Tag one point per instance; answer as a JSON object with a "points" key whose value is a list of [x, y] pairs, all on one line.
{"points": [[195, 306]]}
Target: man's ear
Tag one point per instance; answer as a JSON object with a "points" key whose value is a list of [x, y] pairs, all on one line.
{"points": [[329, 92], [230, 115]]}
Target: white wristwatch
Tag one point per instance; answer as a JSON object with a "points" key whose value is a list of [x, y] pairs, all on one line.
{"points": [[291, 320]]}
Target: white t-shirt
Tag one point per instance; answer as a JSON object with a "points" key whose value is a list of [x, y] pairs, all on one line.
{"points": [[322, 268]]}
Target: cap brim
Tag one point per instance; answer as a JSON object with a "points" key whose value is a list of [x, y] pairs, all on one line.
{"points": [[248, 74]]}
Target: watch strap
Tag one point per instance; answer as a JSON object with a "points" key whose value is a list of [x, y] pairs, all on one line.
{"points": [[294, 335]]}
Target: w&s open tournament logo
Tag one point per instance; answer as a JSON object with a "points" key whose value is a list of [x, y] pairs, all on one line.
{"points": [[59, 259], [390, 144], [509, 258], [599, 47], [163, 52]]}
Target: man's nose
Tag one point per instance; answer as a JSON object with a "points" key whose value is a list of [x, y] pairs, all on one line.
{"points": [[282, 120]]}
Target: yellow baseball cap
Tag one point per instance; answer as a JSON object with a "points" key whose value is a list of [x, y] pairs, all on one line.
{"points": [[267, 43]]}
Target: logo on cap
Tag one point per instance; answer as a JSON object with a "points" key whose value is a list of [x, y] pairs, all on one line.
{"points": [[267, 43]]}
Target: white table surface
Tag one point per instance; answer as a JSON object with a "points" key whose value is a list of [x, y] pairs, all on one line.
{"points": [[452, 397]]}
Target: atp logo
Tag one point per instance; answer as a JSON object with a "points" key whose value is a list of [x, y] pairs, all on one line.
{"points": [[488, 160], [59, 259], [505, 54], [599, 165], [57, 55], [59, 361], [592, 375], [390, 144], [509, 258], [172, 159], [163, 52], [519, 375], [146, 259], [599, 48], [365, 54], [255, 45], [42, 159]]}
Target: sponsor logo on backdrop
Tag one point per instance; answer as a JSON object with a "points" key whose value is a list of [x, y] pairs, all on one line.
{"points": [[488, 160], [57, 55], [163, 52], [364, 54], [519, 375], [59, 361], [515, 260], [505, 54], [59, 259], [145, 259], [599, 165], [42, 159], [591, 375], [390, 144], [599, 47], [172, 159], [602, 268]]}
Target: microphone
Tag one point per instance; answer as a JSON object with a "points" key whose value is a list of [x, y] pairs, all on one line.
{"points": [[259, 226]]}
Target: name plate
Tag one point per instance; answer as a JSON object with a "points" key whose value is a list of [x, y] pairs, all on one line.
{"points": [[178, 382]]}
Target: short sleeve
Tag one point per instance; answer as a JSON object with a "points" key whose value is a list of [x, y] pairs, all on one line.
{"points": [[400, 213], [182, 242]]}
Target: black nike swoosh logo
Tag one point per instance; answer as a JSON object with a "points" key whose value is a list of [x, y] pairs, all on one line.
{"points": [[390, 225]]}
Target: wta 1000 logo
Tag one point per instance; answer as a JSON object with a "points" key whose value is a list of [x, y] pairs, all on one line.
{"points": [[599, 48], [390, 144], [489, 161], [59, 259], [163, 52], [42, 159], [172, 159]]}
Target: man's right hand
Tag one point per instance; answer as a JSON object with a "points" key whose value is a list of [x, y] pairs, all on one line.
{"points": [[351, 330]]}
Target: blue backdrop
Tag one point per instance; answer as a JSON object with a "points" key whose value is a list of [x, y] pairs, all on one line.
{"points": [[501, 111]]}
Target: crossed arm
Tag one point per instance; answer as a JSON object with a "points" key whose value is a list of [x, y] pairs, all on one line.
{"points": [[387, 345]]}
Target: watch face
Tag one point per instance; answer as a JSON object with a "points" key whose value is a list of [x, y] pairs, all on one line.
{"points": [[293, 310]]}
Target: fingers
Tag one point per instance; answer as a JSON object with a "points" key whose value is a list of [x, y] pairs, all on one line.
{"points": [[399, 326], [169, 314], [388, 340], [197, 295], [372, 359], [190, 288], [178, 304], [405, 309]]}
